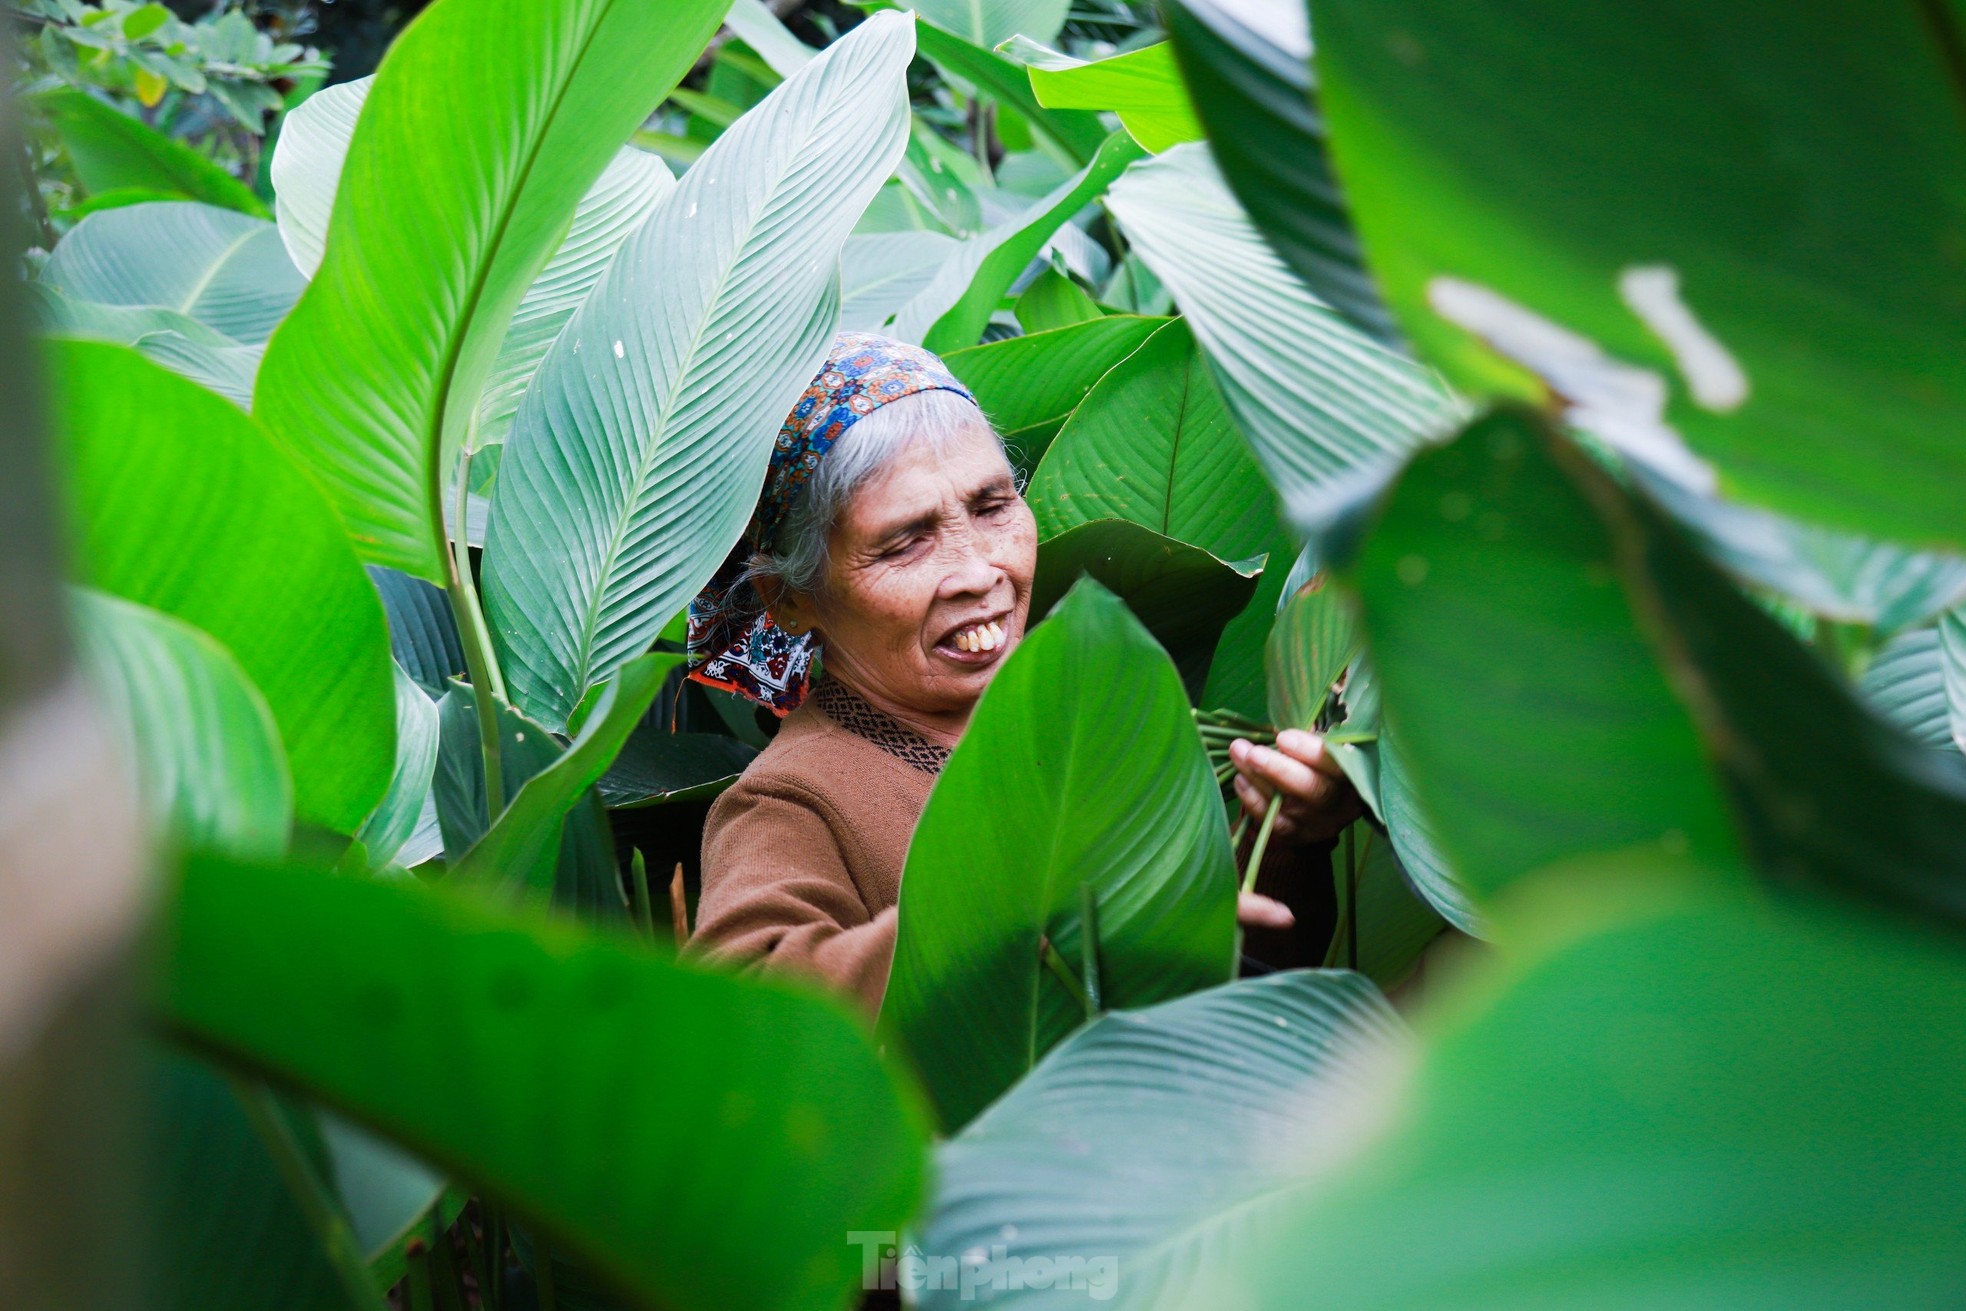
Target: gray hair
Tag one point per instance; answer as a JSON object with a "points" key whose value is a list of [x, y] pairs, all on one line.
{"points": [[936, 419]]}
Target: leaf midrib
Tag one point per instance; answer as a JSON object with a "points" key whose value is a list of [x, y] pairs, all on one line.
{"points": [[433, 435]]}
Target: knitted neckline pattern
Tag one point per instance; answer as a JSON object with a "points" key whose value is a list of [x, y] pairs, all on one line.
{"points": [[851, 711]]}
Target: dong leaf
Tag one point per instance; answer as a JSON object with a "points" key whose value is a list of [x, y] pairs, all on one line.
{"points": [[1558, 734], [1248, 73], [224, 269], [1316, 636], [395, 818], [1185, 1114], [990, 23], [178, 501], [112, 151], [1183, 594], [178, 342], [637, 455], [1142, 86], [1153, 443], [1620, 171], [517, 852], [1654, 1105], [1837, 575], [487, 122], [207, 757], [1084, 736], [953, 309], [1952, 639], [1326, 409], [1076, 134], [1029, 385], [307, 165], [881, 271], [422, 629], [503, 1049]]}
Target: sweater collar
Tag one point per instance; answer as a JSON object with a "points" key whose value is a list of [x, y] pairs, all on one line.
{"points": [[856, 715]]}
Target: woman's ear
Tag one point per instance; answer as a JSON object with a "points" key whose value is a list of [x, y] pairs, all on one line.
{"points": [[788, 609]]}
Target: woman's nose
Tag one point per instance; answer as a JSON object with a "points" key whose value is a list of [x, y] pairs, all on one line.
{"points": [[970, 569]]}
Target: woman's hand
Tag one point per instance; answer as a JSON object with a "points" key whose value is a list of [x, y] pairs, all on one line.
{"points": [[1318, 800]]}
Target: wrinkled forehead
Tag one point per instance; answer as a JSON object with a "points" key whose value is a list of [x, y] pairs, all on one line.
{"points": [[926, 480]]}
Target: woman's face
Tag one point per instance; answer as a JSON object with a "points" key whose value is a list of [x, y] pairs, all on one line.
{"points": [[929, 579]]}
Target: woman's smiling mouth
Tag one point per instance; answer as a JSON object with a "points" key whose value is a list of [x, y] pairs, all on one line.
{"points": [[979, 642]]}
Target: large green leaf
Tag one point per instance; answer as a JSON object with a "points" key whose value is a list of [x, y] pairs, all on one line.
{"points": [[487, 122], [990, 23], [1530, 709], [178, 342], [395, 817], [1384, 923], [1952, 638], [1838, 575], [1030, 385], [1248, 73], [657, 766], [111, 151], [1142, 86], [178, 501], [307, 166], [1075, 133], [585, 877], [1326, 409], [1835, 796], [205, 753], [637, 456], [224, 1225], [223, 269], [1148, 1153], [1153, 443], [1183, 594], [1723, 1105], [705, 1140], [517, 851], [881, 271], [1316, 636], [953, 309], [1414, 840], [1787, 168], [1080, 770], [1905, 683], [422, 629]]}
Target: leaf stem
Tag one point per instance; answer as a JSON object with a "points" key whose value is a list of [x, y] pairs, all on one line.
{"points": [[320, 1208], [1351, 899], [1262, 843], [1056, 964], [487, 688]]}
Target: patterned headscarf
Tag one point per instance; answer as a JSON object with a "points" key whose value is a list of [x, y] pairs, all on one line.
{"points": [[733, 644]]}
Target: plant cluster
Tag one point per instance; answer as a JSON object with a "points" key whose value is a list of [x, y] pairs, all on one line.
{"points": [[1586, 468]]}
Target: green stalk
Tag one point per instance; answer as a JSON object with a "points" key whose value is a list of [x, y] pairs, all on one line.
{"points": [[1056, 964], [419, 1296], [487, 688], [1089, 953], [320, 1208], [645, 903], [1262, 843]]}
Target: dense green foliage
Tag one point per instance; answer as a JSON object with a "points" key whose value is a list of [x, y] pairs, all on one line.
{"points": [[1605, 520]]}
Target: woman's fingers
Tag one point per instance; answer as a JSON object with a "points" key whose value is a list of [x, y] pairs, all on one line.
{"points": [[1279, 771], [1254, 799], [1256, 911], [1309, 749]]}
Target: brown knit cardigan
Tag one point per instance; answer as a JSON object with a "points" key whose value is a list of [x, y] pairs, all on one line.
{"points": [[802, 855]]}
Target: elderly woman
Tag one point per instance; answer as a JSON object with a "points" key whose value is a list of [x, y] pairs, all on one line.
{"points": [[890, 536]]}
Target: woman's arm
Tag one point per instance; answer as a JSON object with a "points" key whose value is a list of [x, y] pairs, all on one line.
{"points": [[776, 890]]}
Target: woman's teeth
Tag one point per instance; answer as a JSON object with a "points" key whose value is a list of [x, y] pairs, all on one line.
{"points": [[980, 637]]}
